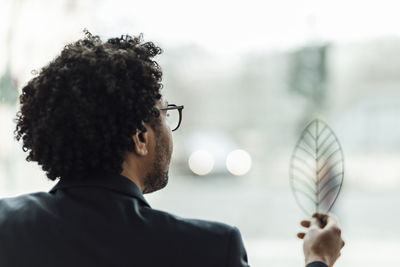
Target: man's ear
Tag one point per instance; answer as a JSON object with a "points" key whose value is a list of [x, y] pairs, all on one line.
{"points": [[141, 140]]}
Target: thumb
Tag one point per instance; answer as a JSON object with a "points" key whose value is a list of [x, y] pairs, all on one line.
{"points": [[322, 218], [332, 221], [314, 223]]}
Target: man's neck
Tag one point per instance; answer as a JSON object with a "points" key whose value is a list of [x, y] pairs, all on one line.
{"points": [[131, 171]]}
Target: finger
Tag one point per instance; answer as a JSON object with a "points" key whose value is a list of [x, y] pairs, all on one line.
{"points": [[314, 223], [319, 214], [301, 235], [332, 221], [322, 218], [305, 223]]}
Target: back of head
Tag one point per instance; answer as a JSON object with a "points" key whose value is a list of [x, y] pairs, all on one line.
{"points": [[78, 114]]}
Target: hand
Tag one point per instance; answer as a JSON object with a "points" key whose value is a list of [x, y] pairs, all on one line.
{"points": [[323, 240]]}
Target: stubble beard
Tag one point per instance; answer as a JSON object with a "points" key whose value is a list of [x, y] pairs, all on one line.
{"points": [[157, 178]]}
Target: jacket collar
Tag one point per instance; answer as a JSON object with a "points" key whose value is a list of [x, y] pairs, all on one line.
{"points": [[111, 181]]}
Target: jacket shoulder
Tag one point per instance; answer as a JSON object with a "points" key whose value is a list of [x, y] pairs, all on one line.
{"points": [[14, 209], [199, 238], [177, 223]]}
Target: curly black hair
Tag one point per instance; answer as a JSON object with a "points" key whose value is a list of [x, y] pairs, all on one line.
{"points": [[78, 114]]}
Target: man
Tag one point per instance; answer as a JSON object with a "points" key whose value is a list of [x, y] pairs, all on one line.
{"points": [[94, 119]]}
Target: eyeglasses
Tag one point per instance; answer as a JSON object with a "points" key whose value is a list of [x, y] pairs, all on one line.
{"points": [[174, 116]]}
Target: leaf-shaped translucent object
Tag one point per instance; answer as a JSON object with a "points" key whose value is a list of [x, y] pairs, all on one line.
{"points": [[317, 168]]}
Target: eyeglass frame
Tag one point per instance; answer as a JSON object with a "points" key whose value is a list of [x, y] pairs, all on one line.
{"points": [[179, 108]]}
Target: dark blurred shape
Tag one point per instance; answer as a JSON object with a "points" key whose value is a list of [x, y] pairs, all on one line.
{"points": [[8, 84], [8, 90], [308, 72]]}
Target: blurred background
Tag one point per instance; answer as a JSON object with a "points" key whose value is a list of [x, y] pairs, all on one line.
{"points": [[251, 75]]}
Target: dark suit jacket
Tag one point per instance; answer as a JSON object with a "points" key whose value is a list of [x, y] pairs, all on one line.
{"points": [[105, 221]]}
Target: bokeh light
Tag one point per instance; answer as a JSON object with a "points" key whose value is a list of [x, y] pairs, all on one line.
{"points": [[238, 162], [201, 162]]}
